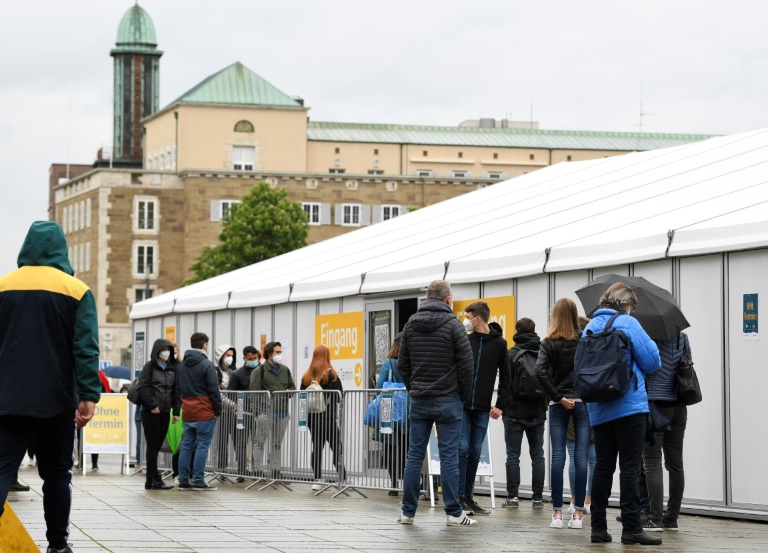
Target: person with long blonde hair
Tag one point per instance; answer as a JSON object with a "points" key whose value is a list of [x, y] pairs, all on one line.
{"points": [[322, 426], [554, 370]]}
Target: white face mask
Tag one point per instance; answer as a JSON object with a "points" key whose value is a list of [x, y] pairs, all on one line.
{"points": [[226, 361], [164, 355], [277, 358], [468, 326]]}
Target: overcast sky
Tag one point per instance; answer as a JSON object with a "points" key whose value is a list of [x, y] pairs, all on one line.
{"points": [[702, 64]]}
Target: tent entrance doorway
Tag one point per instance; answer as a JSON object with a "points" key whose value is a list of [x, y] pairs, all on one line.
{"points": [[383, 320]]}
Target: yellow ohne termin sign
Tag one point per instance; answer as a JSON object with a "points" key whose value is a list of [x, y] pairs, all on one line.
{"points": [[502, 312], [342, 333], [108, 430]]}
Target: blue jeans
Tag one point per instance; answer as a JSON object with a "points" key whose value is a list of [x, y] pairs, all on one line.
{"points": [[474, 427], [513, 436], [445, 413], [571, 445], [197, 438], [558, 430]]}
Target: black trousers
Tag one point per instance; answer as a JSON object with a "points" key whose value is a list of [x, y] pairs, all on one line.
{"points": [[322, 429], [55, 442], [622, 438], [155, 430], [395, 454], [671, 444]]}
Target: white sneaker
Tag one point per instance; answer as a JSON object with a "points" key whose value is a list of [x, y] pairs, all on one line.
{"points": [[557, 521], [462, 520], [318, 485], [587, 510], [571, 508], [176, 481], [402, 519], [574, 523]]}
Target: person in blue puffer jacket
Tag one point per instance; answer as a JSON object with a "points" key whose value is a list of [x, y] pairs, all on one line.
{"points": [[662, 390], [619, 424]]}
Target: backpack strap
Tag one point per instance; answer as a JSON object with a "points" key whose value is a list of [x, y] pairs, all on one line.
{"points": [[610, 322]]}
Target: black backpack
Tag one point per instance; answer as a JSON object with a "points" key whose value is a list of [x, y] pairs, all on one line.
{"points": [[524, 381], [601, 371]]}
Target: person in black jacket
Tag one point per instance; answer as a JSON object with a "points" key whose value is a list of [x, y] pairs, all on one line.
{"points": [[158, 395], [240, 381], [524, 415], [323, 426], [489, 352], [554, 370], [435, 362]]}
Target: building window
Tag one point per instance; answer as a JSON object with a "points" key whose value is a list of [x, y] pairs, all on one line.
{"points": [[390, 212], [88, 213], [73, 257], [375, 151], [426, 153], [146, 214], [425, 173], [242, 158], [312, 209], [495, 156], [145, 259], [88, 256], [337, 171], [82, 215], [63, 219], [168, 158], [149, 162], [76, 217], [461, 154], [162, 162], [375, 172], [143, 294], [337, 150], [568, 158], [226, 207], [81, 261], [243, 126], [350, 215]]}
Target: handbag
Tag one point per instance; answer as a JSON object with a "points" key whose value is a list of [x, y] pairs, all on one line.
{"points": [[688, 388], [399, 399], [657, 420]]}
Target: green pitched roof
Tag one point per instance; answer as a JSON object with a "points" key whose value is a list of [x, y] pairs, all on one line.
{"points": [[136, 31], [502, 138], [237, 85]]}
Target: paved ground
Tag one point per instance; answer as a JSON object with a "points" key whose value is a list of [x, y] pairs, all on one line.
{"points": [[114, 513]]}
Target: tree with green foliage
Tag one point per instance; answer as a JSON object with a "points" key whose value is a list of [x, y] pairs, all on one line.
{"points": [[266, 224]]}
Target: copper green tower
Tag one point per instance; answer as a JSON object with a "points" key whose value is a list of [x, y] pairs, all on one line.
{"points": [[137, 84]]}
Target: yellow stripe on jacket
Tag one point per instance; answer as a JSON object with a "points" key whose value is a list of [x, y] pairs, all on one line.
{"points": [[48, 279]]}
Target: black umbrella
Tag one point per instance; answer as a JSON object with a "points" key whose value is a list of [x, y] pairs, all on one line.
{"points": [[117, 371], [657, 310]]}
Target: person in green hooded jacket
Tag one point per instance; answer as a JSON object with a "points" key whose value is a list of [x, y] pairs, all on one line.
{"points": [[48, 313]]}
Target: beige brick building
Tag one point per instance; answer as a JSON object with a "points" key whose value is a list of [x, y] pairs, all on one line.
{"points": [[135, 227]]}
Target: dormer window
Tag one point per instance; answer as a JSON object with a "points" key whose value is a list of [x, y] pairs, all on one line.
{"points": [[244, 126]]}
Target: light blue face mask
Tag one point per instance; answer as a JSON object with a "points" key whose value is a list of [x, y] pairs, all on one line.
{"points": [[251, 364]]}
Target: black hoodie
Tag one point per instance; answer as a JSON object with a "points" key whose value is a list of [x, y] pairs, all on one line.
{"points": [[159, 387], [532, 410], [435, 356], [489, 352]]}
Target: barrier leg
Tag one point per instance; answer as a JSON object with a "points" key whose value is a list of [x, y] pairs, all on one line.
{"points": [[14, 538]]}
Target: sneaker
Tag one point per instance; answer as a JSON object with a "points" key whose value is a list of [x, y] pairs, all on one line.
{"points": [[202, 487], [461, 520], [571, 508], [477, 509], [403, 519], [574, 523], [184, 486], [514, 502], [670, 525], [318, 485], [651, 526], [176, 481], [557, 521], [537, 503], [587, 509], [465, 506], [94, 468]]}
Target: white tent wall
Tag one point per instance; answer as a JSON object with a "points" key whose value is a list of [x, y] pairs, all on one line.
{"points": [[747, 379], [222, 330], [305, 335], [184, 332], [242, 334], [701, 298]]}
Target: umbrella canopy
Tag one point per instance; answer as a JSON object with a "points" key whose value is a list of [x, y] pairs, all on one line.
{"points": [[657, 310], [117, 371]]}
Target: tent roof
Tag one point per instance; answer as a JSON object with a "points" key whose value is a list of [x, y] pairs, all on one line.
{"points": [[693, 199]]}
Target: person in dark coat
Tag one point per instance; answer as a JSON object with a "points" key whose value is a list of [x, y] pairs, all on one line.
{"points": [[524, 416], [158, 396], [435, 362], [240, 381], [323, 427], [662, 390]]}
